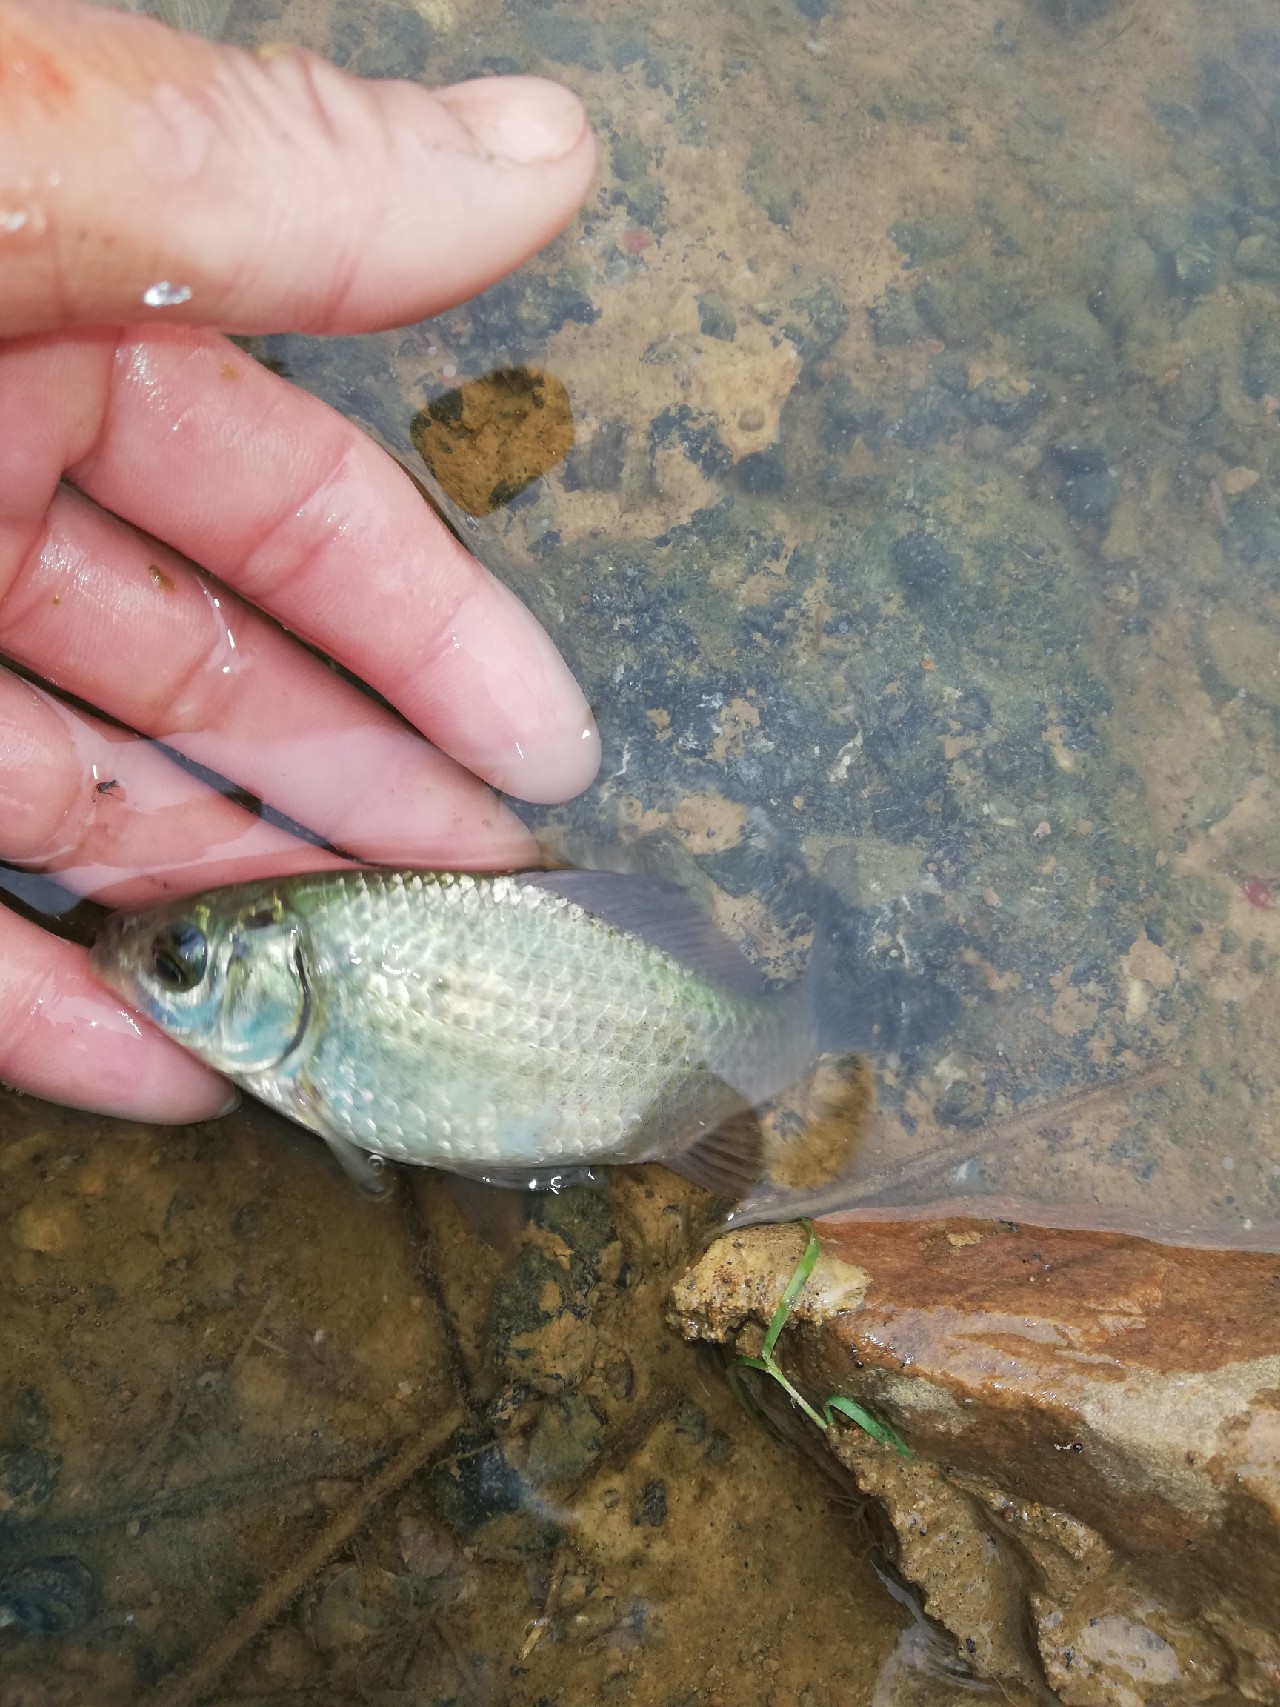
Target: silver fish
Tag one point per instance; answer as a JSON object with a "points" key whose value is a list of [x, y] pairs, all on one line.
{"points": [[507, 1027]]}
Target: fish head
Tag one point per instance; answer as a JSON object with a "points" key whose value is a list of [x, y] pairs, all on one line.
{"points": [[223, 974]]}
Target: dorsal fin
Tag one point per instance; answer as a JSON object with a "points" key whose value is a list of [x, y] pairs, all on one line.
{"points": [[663, 914]]}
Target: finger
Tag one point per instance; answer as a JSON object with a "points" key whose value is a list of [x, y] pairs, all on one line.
{"points": [[66, 1038], [266, 193], [325, 531], [113, 817], [228, 689]]}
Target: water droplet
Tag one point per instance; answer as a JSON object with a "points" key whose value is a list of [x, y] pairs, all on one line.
{"points": [[166, 295]]}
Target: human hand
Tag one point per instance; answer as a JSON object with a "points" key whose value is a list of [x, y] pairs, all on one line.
{"points": [[139, 447]]}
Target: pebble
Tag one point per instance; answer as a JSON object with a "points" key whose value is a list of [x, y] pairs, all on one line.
{"points": [[1064, 337], [50, 1228], [651, 1508], [1238, 480], [28, 1475], [48, 1597], [1195, 266], [1132, 286], [357, 1603], [425, 1552]]}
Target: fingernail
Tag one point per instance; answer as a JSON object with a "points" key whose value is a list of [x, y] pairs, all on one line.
{"points": [[230, 1106], [524, 120]]}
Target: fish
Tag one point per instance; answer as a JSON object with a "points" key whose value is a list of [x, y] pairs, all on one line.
{"points": [[200, 17], [518, 1028]]}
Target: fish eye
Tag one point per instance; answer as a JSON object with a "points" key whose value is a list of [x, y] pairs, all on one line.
{"points": [[180, 956]]}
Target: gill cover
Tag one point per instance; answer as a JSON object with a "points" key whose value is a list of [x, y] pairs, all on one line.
{"points": [[266, 997]]}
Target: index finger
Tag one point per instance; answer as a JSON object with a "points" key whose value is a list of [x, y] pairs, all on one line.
{"points": [[328, 534]]}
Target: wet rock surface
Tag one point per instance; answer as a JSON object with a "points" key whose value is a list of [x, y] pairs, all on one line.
{"points": [[1093, 1505]]}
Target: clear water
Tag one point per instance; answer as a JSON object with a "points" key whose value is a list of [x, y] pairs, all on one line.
{"points": [[924, 376]]}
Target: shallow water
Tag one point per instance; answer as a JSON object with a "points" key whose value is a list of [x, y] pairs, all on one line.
{"points": [[919, 505], [921, 374]]}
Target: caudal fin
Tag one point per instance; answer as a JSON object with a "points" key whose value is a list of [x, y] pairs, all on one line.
{"points": [[863, 995]]}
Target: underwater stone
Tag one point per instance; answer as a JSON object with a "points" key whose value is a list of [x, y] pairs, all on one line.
{"points": [[1195, 267], [1005, 403], [695, 433], [28, 1475], [816, 320], [716, 319], [894, 318], [597, 465], [931, 239], [566, 1440], [1089, 497], [763, 471], [48, 1597], [651, 1508], [931, 414], [629, 158], [474, 1485], [1064, 337], [1131, 289]]}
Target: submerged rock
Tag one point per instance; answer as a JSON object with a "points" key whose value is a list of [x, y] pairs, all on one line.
{"points": [[48, 1597], [1093, 1507]]}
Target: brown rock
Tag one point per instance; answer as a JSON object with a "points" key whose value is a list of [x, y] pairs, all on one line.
{"points": [[489, 438], [1094, 1503]]}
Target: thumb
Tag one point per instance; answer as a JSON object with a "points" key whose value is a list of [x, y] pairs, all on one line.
{"points": [[146, 171]]}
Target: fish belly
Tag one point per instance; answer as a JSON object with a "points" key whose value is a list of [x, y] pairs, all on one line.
{"points": [[472, 1027]]}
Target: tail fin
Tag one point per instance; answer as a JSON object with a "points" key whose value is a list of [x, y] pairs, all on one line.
{"points": [[863, 997]]}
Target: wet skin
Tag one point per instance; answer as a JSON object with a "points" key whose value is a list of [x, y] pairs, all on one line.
{"points": [[162, 492]]}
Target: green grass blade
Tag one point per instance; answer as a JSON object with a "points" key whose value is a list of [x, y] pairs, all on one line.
{"points": [[795, 1286], [872, 1425]]}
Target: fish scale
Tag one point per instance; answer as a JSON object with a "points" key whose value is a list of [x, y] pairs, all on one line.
{"points": [[464, 1021]]}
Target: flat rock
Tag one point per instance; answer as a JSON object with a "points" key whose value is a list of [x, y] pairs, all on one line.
{"points": [[1093, 1505]]}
